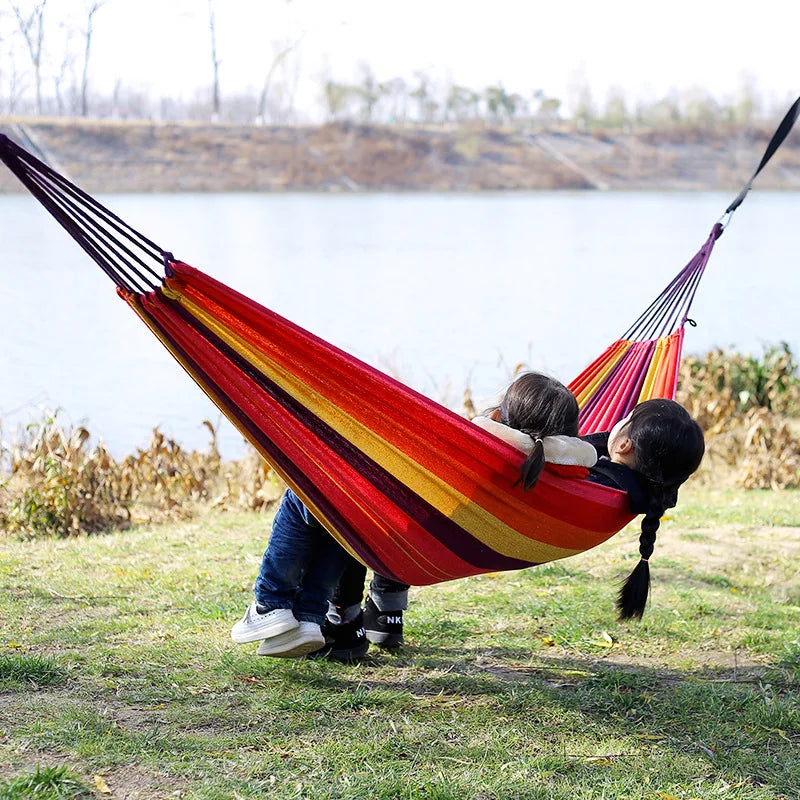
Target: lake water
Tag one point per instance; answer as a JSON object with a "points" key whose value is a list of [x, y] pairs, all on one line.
{"points": [[443, 291]]}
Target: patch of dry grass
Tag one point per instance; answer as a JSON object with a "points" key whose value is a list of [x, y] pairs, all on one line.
{"points": [[58, 483], [748, 408]]}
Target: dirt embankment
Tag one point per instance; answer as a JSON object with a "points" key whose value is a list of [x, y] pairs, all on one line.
{"points": [[113, 156]]}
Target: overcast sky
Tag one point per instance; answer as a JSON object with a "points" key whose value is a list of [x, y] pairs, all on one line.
{"points": [[643, 48]]}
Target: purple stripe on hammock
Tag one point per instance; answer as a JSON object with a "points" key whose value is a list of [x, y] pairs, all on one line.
{"points": [[459, 541]]}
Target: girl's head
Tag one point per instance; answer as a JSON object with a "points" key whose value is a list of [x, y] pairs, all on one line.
{"points": [[665, 445], [539, 406]]}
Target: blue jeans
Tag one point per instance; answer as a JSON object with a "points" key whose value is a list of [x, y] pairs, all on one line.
{"points": [[302, 563]]}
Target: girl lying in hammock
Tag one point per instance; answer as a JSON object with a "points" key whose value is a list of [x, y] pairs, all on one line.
{"points": [[648, 455], [303, 563]]}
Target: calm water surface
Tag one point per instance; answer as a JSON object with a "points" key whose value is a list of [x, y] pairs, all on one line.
{"points": [[441, 290]]}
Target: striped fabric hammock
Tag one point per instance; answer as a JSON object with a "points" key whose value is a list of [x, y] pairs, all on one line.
{"points": [[412, 489]]}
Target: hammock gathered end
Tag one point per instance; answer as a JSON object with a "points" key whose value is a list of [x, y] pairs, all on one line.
{"points": [[644, 362], [413, 490]]}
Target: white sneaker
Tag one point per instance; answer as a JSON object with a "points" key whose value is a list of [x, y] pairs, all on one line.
{"points": [[254, 626], [305, 638]]}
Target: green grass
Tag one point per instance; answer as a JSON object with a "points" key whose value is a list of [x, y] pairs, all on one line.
{"points": [[20, 671], [115, 660], [45, 783]]}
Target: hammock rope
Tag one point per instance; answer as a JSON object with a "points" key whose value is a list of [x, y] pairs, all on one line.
{"points": [[412, 489], [118, 249]]}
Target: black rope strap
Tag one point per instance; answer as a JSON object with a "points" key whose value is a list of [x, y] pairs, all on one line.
{"points": [[670, 310], [124, 254], [774, 143]]}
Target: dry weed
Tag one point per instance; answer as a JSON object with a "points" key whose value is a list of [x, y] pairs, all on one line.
{"points": [[746, 407], [54, 482]]}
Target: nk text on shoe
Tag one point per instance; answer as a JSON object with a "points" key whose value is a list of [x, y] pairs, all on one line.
{"points": [[384, 628], [345, 642]]}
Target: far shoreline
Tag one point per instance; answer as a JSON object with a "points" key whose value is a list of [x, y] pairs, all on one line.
{"points": [[141, 156]]}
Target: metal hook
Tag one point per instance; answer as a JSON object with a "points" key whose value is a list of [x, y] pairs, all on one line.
{"points": [[725, 219]]}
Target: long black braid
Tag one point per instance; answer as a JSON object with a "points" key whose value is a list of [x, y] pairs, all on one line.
{"points": [[668, 447]]}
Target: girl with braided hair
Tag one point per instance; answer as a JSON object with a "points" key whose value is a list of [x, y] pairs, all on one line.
{"points": [[649, 454]]}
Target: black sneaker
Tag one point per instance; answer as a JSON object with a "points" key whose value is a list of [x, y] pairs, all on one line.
{"points": [[345, 642], [384, 628]]}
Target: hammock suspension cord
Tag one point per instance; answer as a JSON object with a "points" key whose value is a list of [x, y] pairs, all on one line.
{"points": [[670, 310], [124, 254], [775, 142]]}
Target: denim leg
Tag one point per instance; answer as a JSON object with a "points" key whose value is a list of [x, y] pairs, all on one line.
{"points": [[350, 589], [388, 595], [321, 578], [292, 545]]}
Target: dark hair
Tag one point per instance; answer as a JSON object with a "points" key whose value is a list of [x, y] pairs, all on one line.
{"points": [[540, 406], [667, 448]]}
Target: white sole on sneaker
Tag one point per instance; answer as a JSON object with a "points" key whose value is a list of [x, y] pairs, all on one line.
{"points": [[301, 641], [253, 627]]}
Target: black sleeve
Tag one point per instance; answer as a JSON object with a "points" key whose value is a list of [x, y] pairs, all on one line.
{"points": [[599, 441], [605, 477], [618, 476]]}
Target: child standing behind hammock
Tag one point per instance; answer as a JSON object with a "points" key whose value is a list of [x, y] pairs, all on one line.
{"points": [[303, 563]]}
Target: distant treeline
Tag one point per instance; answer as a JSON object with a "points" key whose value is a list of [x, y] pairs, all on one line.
{"points": [[46, 69]]}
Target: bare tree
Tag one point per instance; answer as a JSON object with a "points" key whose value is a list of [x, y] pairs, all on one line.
{"points": [[32, 30], [215, 62], [336, 97], [580, 101], [9, 72], [369, 91], [396, 95], [499, 103], [59, 79], [276, 62], [616, 110], [93, 7], [421, 95], [461, 102]]}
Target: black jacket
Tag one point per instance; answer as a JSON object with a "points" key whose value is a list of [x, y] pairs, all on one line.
{"points": [[617, 476]]}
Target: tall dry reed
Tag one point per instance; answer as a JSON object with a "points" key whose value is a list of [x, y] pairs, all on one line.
{"points": [[749, 409], [54, 481]]}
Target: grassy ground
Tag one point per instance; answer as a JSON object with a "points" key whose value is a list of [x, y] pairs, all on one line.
{"points": [[118, 677]]}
